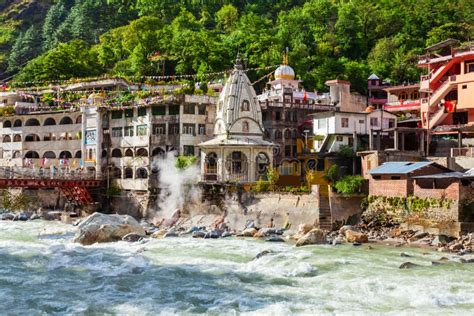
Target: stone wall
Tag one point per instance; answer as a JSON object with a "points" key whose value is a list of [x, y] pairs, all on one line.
{"points": [[345, 209]]}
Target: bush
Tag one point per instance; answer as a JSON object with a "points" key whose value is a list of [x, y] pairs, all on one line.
{"points": [[349, 184], [346, 151], [183, 162], [262, 186], [332, 175], [272, 176]]}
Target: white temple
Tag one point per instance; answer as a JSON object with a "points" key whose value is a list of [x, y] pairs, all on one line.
{"points": [[238, 152]]}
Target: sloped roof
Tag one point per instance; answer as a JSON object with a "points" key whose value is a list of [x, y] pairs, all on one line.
{"points": [[403, 167], [236, 142], [446, 175], [373, 77]]}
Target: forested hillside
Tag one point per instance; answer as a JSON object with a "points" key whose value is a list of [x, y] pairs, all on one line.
{"points": [[347, 39]]}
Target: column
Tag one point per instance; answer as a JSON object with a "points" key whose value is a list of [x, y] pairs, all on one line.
{"points": [[403, 141], [395, 139], [98, 146], [83, 134], [371, 140]]}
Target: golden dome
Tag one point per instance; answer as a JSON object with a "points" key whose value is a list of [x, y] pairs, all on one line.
{"points": [[285, 72]]}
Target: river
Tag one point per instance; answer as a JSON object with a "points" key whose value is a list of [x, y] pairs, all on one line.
{"points": [[43, 272]]}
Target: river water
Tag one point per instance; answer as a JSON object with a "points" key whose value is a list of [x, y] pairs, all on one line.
{"points": [[43, 272]]}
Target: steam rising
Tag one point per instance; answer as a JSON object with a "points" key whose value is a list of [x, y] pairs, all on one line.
{"points": [[176, 186]]}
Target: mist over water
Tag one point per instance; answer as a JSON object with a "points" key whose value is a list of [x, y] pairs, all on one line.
{"points": [[42, 271], [176, 186]]}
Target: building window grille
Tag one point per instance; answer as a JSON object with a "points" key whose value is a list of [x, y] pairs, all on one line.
{"points": [[158, 110], [374, 121], [188, 150], [128, 113], [173, 129], [202, 129], [141, 111], [173, 109], [159, 129], [345, 122], [142, 130], [128, 131], [189, 109], [188, 129], [117, 132], [116, 115], [202, 109]]}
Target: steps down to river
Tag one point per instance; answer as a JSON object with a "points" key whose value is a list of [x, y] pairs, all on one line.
{"points": [[325, 221]]}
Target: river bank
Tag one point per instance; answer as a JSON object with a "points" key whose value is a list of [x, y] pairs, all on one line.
{"points": [[220, 276]]}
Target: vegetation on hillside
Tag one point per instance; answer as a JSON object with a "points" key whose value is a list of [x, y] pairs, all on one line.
{"points": [[326, 38]]}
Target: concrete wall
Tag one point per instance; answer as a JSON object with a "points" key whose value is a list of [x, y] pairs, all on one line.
{"points": [[345, 209]]}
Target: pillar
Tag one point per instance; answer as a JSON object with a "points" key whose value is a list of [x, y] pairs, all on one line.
{"points": [[403, 141], [422, 143], [371, 140], [459, 139], [83, 134], [395, 139], [98, 146], [379, 140]]}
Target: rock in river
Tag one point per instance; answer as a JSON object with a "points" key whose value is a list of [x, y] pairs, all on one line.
{"points": [[353, 236], [314, 236], [100, 227], [408, 265], [132, 237]]}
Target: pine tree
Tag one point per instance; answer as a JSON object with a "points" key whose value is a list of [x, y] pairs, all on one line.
{"points": [[26, 47], [55, 16]]}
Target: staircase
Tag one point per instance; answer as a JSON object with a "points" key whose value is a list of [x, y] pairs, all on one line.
{"points": [[437, 117], [325, 219]]}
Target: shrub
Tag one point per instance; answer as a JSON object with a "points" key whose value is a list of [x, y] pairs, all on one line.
{"points": [[272, 176], [332, 175], [262, 186], [349, 184], [346, 151], [183, 162]]}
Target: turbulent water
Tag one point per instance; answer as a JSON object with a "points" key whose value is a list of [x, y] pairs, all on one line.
{"points": [[43, 271]]}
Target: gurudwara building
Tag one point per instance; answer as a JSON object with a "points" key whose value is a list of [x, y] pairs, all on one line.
{"points": [[237, 153]]}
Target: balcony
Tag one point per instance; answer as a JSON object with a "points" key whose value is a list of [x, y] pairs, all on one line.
{"points": [[462, 152]]}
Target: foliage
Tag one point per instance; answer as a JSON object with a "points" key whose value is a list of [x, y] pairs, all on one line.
{"points": [[14, 202], [332, 174], [7, 110], [349, 185], [272, 176], [327, 39], [296, 190], [114, 190], [183, 162], [346, 151], [262, 186]]}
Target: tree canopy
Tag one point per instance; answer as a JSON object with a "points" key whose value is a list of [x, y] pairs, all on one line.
{"points": [[327, 39]]}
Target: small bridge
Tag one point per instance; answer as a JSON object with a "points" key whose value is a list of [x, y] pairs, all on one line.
{"points": [[74, 186]]}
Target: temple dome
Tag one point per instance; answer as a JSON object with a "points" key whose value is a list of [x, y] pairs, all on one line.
{"points": [[285, 72]]}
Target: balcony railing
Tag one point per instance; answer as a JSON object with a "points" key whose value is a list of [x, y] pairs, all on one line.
{"points": [[462, 152]]}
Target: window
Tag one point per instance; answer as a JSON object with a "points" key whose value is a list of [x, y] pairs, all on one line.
{"points": [[470, 67], [320, 164], [396, 177], [344, 122], [116, 115], [159, 129], [158, 110], [128, 113], [128, 130], [376, 177], [188, 129], [322, 123], [278, 116], [173, 129], [287, 151], [361, 121], [339, 138], [117, 132], [202, 129], [173, 109], [202, 109], [391, 123], [142, 111], [189, 109], [245, 106], [188, 150], [142, 130], [374, 121], [245, 127], [464, 86]]}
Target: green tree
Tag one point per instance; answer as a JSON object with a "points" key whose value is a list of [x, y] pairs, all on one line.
{"points": [[226, 17], [26, 47]]}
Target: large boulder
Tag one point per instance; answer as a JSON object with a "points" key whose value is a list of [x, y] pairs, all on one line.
{"points": [[249, 232], [100, 227], [353, 236], [313, 237]]}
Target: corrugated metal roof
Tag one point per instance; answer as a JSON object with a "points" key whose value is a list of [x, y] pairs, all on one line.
{"points": [[446, 175], [402, 167]]}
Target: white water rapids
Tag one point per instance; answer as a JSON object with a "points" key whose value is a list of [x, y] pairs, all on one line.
{"points": [[43, 272]]}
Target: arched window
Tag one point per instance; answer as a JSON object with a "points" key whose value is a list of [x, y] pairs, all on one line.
{"points": [[17, 123], [116, 153], [129, 153], [32, 122], [7, 139], [237, 166], [49, 155], [245, 127], [79, 119], [90, 154], [16, 154], [65, 155], [294, 134], [287, 134], [142, 173], [32, 155], [49, 121], [128, 173], [210, 166], [142, 152], [116, 173], [17, 138], [65, 121], [32, 138], [104, 153], [278, 134], [262, 162], [78, 154], [245, 106], [158, 152], [7, 124]]}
